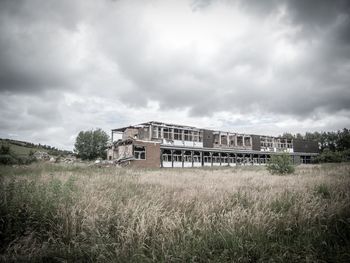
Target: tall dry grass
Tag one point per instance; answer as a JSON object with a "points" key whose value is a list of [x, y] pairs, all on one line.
{"points": [[66, 213]]}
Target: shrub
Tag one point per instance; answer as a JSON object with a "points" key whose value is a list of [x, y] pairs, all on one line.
{"points": [[323, 190], [327, 156], [7, 159], [5, 149], [280, 164], [26, 160]]}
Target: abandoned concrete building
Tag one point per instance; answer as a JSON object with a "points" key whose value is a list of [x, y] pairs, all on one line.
{"points": [[156, 144]]}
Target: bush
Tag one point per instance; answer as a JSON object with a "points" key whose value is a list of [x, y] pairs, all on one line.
{"points": [[26, 160], [5, 149], [280, 164], [7, 159], [327, 156]]}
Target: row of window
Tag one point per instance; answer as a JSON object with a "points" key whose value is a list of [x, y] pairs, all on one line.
{"points": [[177, 134], [241, 140], [207, 159], [278, 145], [266, 142]]}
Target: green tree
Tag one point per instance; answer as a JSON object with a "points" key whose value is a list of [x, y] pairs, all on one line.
{"points": [[343, 140], [287, 135], [92, 144], [328, 156], [280, 164]]}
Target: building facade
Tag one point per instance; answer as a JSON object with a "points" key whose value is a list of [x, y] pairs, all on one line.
{"points": [[156, 144]]}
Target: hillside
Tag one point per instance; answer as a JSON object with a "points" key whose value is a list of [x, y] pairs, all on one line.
{"points": [[23, 148]]}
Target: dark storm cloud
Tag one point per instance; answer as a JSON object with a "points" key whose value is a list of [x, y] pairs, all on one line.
{"points": [[31, 55], [318, 13], [315, 82], [61, 60], [32, 58]]}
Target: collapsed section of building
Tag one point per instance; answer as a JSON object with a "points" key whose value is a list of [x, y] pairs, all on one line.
{"points": [[156, 144]]}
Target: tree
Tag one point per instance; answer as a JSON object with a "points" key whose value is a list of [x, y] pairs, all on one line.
{"points": [[280, 164], [287, 135], [92, 144], [343, 140], [328, 156]]}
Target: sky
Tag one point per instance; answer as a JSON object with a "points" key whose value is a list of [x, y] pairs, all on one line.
{"points": [[250, 66]]}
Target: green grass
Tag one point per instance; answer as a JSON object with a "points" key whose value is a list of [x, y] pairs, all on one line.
{"points": [[53, 212], [21, 150]]}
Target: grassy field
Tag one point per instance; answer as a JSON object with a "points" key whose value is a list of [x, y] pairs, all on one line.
{"points": [[62, 213], [21, 150]]}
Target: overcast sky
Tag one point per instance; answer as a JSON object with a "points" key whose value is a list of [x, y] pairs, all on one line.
{"points": [[251, 66]]}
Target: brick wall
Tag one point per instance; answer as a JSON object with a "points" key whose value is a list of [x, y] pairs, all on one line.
{"points": [[208, 138], [152, 155]]}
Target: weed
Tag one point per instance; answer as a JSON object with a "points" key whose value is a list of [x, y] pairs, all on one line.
{"points": [[66, 213], [323, 190]]}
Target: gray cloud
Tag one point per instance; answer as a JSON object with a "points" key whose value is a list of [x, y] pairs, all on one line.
{"points": [[63, 61]]}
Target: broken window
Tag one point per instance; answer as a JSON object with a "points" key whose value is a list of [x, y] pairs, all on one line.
{"points": [[187, 157], [224, 139], [200, 137], [232, 140], [140, 152], [166, 157], [167, 133], [239, 140], [177, 134], [188, 135], [247, 141], [195, 136], [266, 142], [177, 156], [155, 132]]}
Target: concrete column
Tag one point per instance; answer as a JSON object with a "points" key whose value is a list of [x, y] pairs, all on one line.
{"points": [[162, 133], [211, 158], [219, 138], [183, 135], [251, 159], [201, 158], [150, 132], [228, 139], [161, 158], [220, 158], [243, 141], [172, 133], [235, 141], [172, 158], [182, 158], [192, 158]]}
